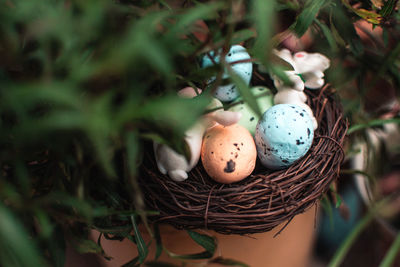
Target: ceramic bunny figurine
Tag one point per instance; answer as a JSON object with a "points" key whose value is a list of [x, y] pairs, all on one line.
{"points": [[176, 165], [308, 72]]}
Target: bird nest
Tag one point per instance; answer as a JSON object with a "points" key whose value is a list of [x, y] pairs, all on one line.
{"points": [[261, 201]]}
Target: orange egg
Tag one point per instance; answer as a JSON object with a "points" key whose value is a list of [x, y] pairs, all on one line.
{"points": [[228, 153]]}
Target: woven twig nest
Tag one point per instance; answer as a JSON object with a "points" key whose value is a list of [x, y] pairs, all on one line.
{"points": [[263, 200]]}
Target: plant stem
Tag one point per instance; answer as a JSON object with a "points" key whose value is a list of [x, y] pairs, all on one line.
{"points": [[344, 248], [392, 253]]}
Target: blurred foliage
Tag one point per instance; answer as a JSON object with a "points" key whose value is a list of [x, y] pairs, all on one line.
{"points": [[83, 85]]}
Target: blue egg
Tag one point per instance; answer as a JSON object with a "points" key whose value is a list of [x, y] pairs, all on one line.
{"points": [[283, 135], [229, 92]]}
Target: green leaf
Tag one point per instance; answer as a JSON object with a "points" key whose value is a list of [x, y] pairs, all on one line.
{"points": [[307, 16], [388, 8], [131, 263], [372, 123], [228, 262], [327, 207], [369, 16], [242, 35], [338, 200], [206, 241], [345, 29], [244, 91], [16, 246], [159, 245], [141, 245], [187, 18], [87, 246], [277, 61], [392, 253], [340, 253], [57, 248], [328, 35], [262, 14], [159, 264]]}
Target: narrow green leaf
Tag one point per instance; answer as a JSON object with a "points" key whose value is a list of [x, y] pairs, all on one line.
{"points": [[262, 14], [385, 36], [228, 262], [200, 11], [244, 91], [392, 253], [57, 248], [345, 29], [369, 16], [241, 36], [159, 245], [307, 16], [196, 256], [159, 264], [206, 241], [328, 35], [44, 224], [19, 247], [87, 246], [327, 207], [388, 8], [338, 200], [277, 61], [141, 245], [372, 123], [340, 254], [131, 263]]}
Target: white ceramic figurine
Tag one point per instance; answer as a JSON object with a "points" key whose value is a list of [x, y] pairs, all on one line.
{"points": [[176, 165], [308, 72]]}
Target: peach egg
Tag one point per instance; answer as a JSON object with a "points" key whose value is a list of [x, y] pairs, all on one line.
{"points": [[228, 153]]}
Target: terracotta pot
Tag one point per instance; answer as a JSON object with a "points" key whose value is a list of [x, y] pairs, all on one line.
{"points": [[292, 248]]}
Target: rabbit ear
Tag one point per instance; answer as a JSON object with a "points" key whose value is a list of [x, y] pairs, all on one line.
{"points": [[225, 118]]}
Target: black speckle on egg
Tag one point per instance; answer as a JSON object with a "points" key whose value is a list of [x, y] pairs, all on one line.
{"points": [[269, 126], [302, 114], [285, 161], [212, 152], [276, 127], [252, 119], [235, 144], [289, 133], [208, 136], [308, 132], [298, 142], [230, 166]]}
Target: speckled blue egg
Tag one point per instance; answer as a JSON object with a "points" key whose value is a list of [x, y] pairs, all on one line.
{"points": [[283, 135], [229, 92]]}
